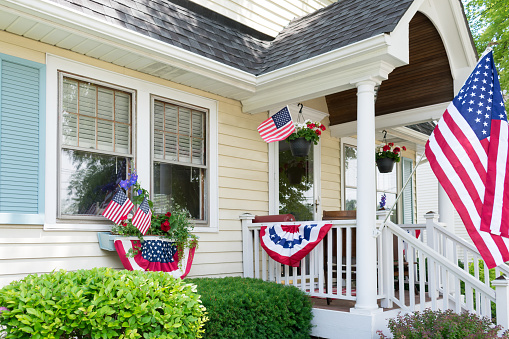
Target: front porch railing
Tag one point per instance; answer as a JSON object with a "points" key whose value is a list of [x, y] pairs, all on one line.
{"points": [[327, 272], [431, 269]]}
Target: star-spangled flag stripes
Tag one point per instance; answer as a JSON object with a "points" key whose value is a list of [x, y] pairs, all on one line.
{"points": [[468, 151], [142, 217], [119, 207], [277, 127]]}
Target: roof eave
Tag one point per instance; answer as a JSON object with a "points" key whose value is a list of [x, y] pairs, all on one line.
{"points": [[81, 24]]}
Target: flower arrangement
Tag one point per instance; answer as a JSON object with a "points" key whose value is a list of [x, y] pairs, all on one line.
{"points": [[389, 150], [174, 225], [309, 130], [383, 201]]}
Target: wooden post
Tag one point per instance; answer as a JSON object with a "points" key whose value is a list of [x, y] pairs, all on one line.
{"points": [[501, 285], [247, 245]]}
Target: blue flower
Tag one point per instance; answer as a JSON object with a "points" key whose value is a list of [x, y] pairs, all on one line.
{"points": [[123, 184], [133, 179], [140, 192]]}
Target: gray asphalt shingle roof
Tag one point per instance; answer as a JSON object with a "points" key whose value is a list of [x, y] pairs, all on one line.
{"points": [[189, 26]]}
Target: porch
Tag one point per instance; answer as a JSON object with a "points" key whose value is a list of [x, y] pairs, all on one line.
{"points": [[418, 266]]}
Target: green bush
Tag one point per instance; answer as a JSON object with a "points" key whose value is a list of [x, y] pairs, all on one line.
{"points": [[101, 303], [442, 324], [252, 308]]}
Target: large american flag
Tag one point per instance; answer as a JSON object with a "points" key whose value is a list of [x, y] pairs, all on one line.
{"points": [[143, 217], [468, 151], [277, 127], [119, 207]]}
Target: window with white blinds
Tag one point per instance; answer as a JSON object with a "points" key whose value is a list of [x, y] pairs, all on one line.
{"points": [[95, 117], [179, 133], [96, 145], [179, 154]]}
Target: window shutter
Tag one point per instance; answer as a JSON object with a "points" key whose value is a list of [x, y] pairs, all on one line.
{"points": [[407, 198], [21, 145]]}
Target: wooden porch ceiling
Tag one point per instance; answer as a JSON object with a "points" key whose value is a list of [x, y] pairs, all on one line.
{"points": [[425, 81]]}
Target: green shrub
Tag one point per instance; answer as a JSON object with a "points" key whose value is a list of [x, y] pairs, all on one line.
{"points": [[101, 303], [252, 308], [442, 324]]}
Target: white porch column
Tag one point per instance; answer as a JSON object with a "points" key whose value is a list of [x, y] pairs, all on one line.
{"points": [[445, 209], [366, 200]]}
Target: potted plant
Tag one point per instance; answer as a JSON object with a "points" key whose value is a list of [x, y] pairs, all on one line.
{"points": [[175, 226], [305, 134], [387, 155]]}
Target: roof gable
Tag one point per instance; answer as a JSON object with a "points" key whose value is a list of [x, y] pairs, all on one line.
{"points": [[335, 26]]}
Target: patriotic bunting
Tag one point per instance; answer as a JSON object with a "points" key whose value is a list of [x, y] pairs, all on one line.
{"points": [[154, 255], [288, 244]]}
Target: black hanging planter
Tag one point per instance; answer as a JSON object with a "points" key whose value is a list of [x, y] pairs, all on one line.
{"points": [[385, 165], [300, 147]]}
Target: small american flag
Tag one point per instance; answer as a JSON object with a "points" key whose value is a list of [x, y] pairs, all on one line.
{"points": [[118, 207], [277, 127], [143, 217], [468, 151]]}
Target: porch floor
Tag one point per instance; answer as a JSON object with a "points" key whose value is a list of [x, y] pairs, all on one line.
{"points": [[346, 305]]}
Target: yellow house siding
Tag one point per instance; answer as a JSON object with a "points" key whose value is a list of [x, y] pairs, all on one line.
{"points": [[330, 172], [31, 250], [243, 187]]}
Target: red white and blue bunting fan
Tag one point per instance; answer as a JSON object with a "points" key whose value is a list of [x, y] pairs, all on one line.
{"points": [[289, 244], [154, 255]]}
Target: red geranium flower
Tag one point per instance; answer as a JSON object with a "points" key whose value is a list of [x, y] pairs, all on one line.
{"points": [[123, 217], [386, 148], [404, 148], [168, 214], [322, 127], [318, 132], [397, 150], [311, 125], [165, 226]]}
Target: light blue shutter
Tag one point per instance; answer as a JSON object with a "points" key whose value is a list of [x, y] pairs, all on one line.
{"points": [[407, 198], [21, 141]]}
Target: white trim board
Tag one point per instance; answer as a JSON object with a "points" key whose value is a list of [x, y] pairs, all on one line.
{"points": [[404, 118]]}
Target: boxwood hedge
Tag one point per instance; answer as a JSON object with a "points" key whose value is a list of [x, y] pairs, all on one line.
{"points": [[101, 303], [252, 308]]}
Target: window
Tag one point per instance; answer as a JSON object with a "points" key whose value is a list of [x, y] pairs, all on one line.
{"points": [[386, 183], [96, 145], [179, 157]]}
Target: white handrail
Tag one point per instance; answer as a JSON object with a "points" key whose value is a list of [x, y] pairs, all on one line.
{"points": [[431, 253]]}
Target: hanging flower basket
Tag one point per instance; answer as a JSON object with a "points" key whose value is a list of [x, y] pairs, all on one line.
{"points": [[305, 134], [387, 155], [385, 165], [300, 147]]}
